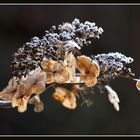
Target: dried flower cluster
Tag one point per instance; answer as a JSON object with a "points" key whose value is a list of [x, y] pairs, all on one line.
{"points": [[55, 60]]}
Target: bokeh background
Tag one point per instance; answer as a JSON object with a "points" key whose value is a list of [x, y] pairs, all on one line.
{"points": [[121, 24]]}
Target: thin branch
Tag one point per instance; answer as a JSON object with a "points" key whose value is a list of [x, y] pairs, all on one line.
{"points": [[5, 104]]}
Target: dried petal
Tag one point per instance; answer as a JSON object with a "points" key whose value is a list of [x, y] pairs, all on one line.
{"points": [[50, 78], [59, 94], [95, 68], [90, 82], [39, 87], [61, 76], [70, 101], [112, 93], [33, 84], [22, 105], [70, 65], [116, 106], [56, 72], [49, 65], [66, 97], [138, 85], [38, 104], [8, 92], [83, 63], [113, 97], [89, 70], [39, 107]]}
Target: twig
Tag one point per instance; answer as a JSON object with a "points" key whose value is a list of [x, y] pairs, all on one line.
{"points": [[5, 104]]}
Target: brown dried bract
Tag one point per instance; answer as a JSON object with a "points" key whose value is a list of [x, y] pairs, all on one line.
{"points": [[19, 94], [113, 97], [89, 70], [66, 97], [70, 63], [8, 92], [138, 85], [38, 104], [55, 71]]}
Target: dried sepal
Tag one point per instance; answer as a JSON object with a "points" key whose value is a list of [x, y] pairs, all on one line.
{"points": [[39, 87], [34, 83], [38, 104], [55, 71], [65, 97], [70, 64], [89, 70], [21, 104], [138, 85], [113, 97], [8, 92]]}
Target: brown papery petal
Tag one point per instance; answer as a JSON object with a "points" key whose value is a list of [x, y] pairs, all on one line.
{"points": [[22, 105], [39, 87], [138, 84], [59, 94], [50, 78], [83, 63], [49, 66], [70, 101], [71, 61], [66, 97], [95, 69], [90, 81], [39, 107], [62, 76], [8, 92]]}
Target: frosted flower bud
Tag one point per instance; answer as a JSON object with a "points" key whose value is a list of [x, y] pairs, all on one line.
{"points": [[76, 22], [72, 45], [67, 27]]}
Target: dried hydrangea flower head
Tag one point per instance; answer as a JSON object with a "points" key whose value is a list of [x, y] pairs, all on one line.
{"points": [[55, 61]]}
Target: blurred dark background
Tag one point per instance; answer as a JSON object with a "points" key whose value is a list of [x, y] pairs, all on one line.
{"points": [[121, 24]]}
